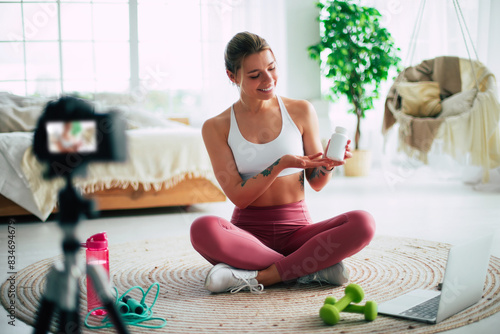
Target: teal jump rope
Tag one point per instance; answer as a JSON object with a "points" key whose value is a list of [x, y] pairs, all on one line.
{"points": [[133, 313]]}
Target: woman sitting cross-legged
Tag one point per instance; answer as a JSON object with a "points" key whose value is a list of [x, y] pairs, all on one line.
{"points": [[262, 150]]}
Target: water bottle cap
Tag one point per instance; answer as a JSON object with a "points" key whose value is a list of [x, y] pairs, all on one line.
{"points": [[341, 129], [97, 241]]}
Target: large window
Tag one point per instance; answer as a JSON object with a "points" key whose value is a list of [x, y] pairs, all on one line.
{"points": [[148, 48], [54, 46]]}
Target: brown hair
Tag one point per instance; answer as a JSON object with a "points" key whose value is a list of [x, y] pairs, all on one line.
{"points": [[240, 46]]}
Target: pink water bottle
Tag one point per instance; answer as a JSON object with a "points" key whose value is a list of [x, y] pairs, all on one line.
{"points": [[97, 254]]}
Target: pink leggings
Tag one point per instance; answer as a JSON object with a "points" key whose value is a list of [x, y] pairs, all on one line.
{"points": [[284, 235]]}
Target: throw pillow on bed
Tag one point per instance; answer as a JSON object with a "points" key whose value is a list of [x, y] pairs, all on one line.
{"points": [[420, 99], [458, 103], [19, 113], [138, 118]]}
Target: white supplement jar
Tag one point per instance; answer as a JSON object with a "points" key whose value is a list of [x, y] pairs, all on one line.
{"points": [[338, 142]]}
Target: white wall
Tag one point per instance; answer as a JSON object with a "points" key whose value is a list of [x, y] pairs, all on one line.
{"points": [[302, 31], [303, 73]]}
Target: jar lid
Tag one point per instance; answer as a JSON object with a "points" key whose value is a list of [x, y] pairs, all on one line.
{"points": [[341, 129]]}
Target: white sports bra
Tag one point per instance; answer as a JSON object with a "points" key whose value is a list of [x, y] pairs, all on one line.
{"points": [[251, 158]]}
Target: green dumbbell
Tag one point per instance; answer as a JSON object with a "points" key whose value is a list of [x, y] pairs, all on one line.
{"points": [[331, 313], [369, 310]]}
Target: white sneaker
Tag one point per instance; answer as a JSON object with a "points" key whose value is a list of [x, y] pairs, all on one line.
{"points": [[337, 274], [222, 277]]}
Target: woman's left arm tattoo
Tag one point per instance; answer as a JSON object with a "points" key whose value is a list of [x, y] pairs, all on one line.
{"points": [[265, 172], [244, 182], [268, 170], [316, 172]]}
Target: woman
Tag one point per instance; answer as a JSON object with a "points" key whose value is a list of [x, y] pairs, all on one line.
{"points": [[261, 148], [69, 141]]}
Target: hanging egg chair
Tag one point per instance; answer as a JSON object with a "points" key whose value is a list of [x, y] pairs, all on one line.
{"points": [[450, 100]]}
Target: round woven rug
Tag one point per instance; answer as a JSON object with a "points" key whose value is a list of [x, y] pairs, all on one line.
{"points": [[385, 269]]}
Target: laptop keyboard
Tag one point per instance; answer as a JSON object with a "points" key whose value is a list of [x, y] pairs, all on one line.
{"points": [[426, 310]]}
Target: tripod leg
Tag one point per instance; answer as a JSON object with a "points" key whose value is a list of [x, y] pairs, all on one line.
{"points": [[48, 303], [69, 323], [116, 317], [44, 317], [99, 279]]}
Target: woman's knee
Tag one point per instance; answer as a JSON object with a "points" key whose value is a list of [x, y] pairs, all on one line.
{"points": [[364, 225], [203, 227]]}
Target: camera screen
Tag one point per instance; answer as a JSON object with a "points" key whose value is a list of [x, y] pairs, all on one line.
{"points": [[71, 136]]}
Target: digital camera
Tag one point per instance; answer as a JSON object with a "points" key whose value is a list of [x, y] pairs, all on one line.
{"points": [[70, 134]]}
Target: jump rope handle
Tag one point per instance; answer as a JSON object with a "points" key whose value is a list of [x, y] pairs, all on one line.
{"points": [[133, 305]]}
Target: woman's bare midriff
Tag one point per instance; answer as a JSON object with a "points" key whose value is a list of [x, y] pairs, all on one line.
{"points": [[284, 190]]}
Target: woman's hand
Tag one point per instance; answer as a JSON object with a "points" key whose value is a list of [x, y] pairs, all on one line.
{"points": [[347, 154], [309, 161]]}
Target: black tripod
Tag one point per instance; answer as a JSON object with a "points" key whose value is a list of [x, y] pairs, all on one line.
{"points": [[62, 291]]}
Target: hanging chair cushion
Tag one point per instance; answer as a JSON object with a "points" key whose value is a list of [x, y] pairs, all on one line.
{"points": [[458, 103], [420, 99]]}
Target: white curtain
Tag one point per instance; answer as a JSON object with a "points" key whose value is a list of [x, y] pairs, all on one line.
{"points": [[220, 21]]}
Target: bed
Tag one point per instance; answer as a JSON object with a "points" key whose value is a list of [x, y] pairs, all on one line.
{"points": [[167, 165]]}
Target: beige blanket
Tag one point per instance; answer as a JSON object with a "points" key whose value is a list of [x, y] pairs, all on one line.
{"points": [[157, 158], [477, 132]]}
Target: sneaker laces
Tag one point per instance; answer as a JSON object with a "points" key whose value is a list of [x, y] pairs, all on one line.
{"points": [[244, 283]]}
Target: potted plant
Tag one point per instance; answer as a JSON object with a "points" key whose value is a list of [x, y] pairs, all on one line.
{"points": [[356, 54]]}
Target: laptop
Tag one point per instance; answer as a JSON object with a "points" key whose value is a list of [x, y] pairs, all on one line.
{"points": [[462, 286]]}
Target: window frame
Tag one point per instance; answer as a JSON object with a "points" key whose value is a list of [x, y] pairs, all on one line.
{"points": [[61, 80]]}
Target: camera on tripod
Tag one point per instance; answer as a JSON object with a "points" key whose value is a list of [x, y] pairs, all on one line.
{"points": [[70, 134]]}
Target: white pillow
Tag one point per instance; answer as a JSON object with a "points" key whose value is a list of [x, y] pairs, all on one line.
{"points": [[18, 113], [458, 103], [137, 118]]}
